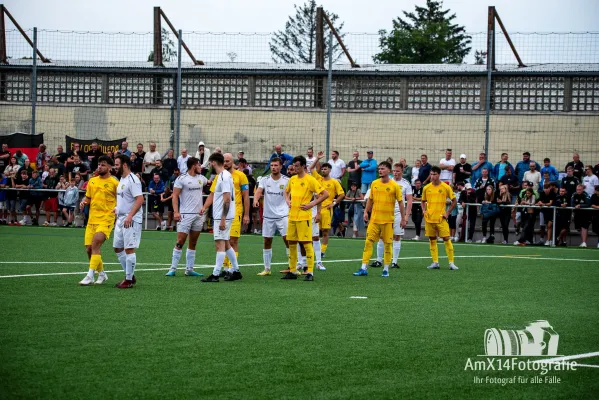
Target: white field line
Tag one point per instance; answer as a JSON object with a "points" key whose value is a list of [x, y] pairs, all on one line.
{"points": [[568, 358], [165, 266]]}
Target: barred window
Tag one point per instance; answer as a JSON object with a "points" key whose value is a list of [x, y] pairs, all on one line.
{"points": [[525, 93], [286, 92], [214, 91], [17, 87], [129, 89], [585, 94], [443, 93], [69, 88], [366, 93]]}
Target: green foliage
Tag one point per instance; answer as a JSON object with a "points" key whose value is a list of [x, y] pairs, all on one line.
{"points": [[427, 36], [168, 48]]}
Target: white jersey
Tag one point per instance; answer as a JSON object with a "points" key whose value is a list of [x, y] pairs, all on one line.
{"points": [[446, 174], [309, 161], [129, 188], [223, 185], [190, 198], [275, 206], [589, 183], [406, 189]]}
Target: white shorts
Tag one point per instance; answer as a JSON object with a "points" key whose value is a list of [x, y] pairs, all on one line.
{"points": [[315, 229], [190, 222], [224, 234], [397, 229], [271, 226], [126, 238]]}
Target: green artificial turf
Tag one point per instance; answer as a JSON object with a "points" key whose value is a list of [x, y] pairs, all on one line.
{"points": [[262, 337]]}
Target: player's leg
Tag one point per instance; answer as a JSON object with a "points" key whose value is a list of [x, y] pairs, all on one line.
{"points": [[292, 239], [373, 234], [190, 255], [235, 233], [235, 274], [443, 231], [177, 250], [131, 240], [387, 237], [219, 245], [430, 230], [380, 250], [118, 244], [325, 228], [266, 254], [317, 245], [309, 260], [90, 231]]}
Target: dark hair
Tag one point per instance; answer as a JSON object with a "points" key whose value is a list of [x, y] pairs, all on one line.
{"points": [[276, 159], [503, 154], [398, 165], [336, 152], [191, 161], [108, 160], [243, 160], [385, 164], [351, 183], [300, 159], [217, 158], [326, 165], [417, 180], [460, 183], [547, 159], [526, 153], [125, 159], [448, 150], [436, 169]]}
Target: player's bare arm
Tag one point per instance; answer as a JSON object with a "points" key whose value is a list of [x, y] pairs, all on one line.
{"points": [[246, 206], [258, 196], [128, 222], [226, 206], [367, 209], [321, 197], [207, 203], [176, 193]]}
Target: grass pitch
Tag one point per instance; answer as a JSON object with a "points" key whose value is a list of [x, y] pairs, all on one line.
{"points": [[262, 337]]}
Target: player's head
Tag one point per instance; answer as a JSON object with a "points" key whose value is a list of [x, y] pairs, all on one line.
{"points": [[435, 173], [300, 164], [192, 164], [291, 170], [384, 169], [275, 166], [229, 163], [325, 169], [216, 160], [398, 170], [122, 162], [105, 163]]}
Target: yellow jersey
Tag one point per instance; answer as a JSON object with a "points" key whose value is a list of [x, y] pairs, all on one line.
{"points": [[102, 195], [435, 198], [301, 191], [332, 186], [240, 182], [383, 197]]}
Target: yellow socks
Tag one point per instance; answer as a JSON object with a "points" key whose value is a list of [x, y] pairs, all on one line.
{"points": [[293, 257], [388, 253], [367, 251], [95, 263], [323, 247], [309, 257], [435, 250], [449, 250]]}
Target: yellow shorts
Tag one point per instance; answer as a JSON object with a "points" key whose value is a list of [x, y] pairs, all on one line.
{"points": [[236, 226], [380, 231], [91, 230], [440, 229], [299, 231], [326, 217]]}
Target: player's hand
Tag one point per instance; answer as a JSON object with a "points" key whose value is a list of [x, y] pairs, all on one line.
{"points": [[114, 211], [128, 222], [317, 218], [82, 205], [445, 216], [366, 216], [256, 203], [177, 216], [330, 206], [305, 207], [288, 203], [202, 211], [403, 222], [222, 224], [320, 154], [246, 220]]}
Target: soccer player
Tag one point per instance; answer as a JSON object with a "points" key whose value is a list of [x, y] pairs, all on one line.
{"points": [[336, 195], [242, 204], [299, 195], [384, 194], [398, 231], [276, 210], [127, 230], [434, 196], [223, 213], [187, 203], [101, 197]]}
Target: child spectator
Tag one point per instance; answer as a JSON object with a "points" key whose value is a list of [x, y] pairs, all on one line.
{"points": [[156, 188], [469, 196], [417, 207], [546, 199], [22, 182], [489, 211], [582, 220], [70, 199], [528, 218], [62, 186], [3, 207], [355, 196], [166, 198]]}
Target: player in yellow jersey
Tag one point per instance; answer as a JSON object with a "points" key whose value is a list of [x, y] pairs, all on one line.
{"points": [[242, 206], [336, 195], [101, 196], [434, 198], [298, 194], [384, 194]]}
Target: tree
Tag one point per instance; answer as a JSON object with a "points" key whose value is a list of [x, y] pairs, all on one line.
{"points": [[297, 43], [168, 47], [427, 36]]}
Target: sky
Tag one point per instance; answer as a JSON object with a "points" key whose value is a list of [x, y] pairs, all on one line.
{"points": [[271, 15]]}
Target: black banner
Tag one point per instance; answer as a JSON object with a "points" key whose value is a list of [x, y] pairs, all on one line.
{"points": [[25, 142], [103, 145]]}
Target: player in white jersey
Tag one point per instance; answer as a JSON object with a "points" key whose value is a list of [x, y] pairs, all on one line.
{"points": [[398, 231], [127, 229], [223, 213], [276, 210], [187, 203]]}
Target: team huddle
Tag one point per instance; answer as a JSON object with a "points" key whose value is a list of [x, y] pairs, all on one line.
{"points": [[299, 208]]}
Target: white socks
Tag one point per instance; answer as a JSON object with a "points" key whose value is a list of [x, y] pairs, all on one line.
{"points": [[190, 259], [317, 253], [90, 273], [386, 268], [122, 257], [130, 268], [220, 259], [233, 258], [176, 258], [364, 267], [396, 250], [380, 250], [267, 255]]}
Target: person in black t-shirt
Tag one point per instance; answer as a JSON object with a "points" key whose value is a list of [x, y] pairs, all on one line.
{"points": [[170, 162], [60, 155], [4, 157], [563, 216], [582, 218], [355, 172], [469, 195], [547, 199], [93, 155], [161, 171], [595, 206], [21, 181], [512, 183], [136, 163], [77, 168], [576, 165], [462, 171], [417, 208], [569, 182]]}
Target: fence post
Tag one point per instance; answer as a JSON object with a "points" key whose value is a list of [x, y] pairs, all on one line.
{"points": [[467, 223], [34, 82], [329, 94], [488, 95], [178, 122], [553, 227]]}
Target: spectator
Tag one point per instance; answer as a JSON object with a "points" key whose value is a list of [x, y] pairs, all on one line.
{"points": [[415, 172], [417, 208], [70, 198], [58, 166], [12, 169], [93, 155], [446, 164], [355, 172], [75, 152], [160, 171], [596, 170], [3, 206], [140, 153], [150, 162], [51, 202], [124, 149], [136, 163], [547, 167], [21, 181], [595, 206], [62, 186], [452, 221], [570, 181], [459, 188], [462, 171], [77, 167], [481, 185], [110, 155], [310, 158], [42, 158], [285, 158], [511, 182], [369, 168], [424, 171], [5, 156], [589, 181], [170, 162], [218, 150], [469, 196], [547, 199], [499, 168], [355, 210], [563, 216], [505, 199], [490, 212], [577, 166], [533, 175], [407, 170], [35, 198], [478, 167], [11, 195], [523, 166], [182, 161], [21, 157], [61, 156], [528, 218], [582, 220], [27, 167], [166, 199], [244, 166], [156, 189], [338, 166], [203, 154]]}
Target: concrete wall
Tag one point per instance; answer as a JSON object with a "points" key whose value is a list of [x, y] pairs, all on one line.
{"points": [[255, 131]]}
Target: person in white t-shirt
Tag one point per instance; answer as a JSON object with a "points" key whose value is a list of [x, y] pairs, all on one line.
{"points": [[223, 213], [446, 165], [275, 212], [338, 166], [310, 158], [187, 203], [398, 231], [589, 181], [532, 175], [149, 162], [182, 161], [127, 228]]}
